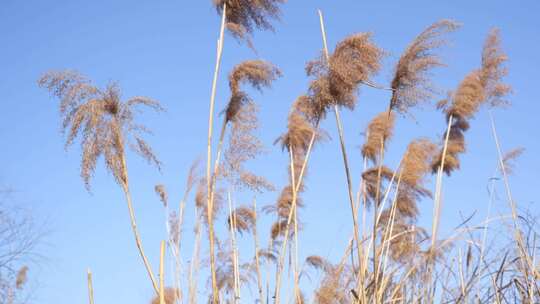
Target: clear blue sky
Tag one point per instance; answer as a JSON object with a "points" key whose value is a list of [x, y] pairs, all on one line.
{"points": [[166, 50]]}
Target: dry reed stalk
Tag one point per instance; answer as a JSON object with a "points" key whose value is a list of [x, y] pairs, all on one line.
{"points": [[90, 287], [161, 273], [295, 189], [438, 187], [232, 231], [194, 266], [517, 233], [105, 124], [257, 260], [215, 295], [297, 292], [136, 232], [388, 231], [292, 212], [342, 145]]}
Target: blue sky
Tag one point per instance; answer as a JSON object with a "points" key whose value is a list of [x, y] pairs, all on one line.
{"points": [[166, 50]]}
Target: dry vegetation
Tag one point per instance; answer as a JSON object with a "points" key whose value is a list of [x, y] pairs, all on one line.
{"points": [[389, 258]]}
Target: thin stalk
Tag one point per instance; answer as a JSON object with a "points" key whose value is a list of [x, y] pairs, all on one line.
{"points": [[295, 188], [215, 295], [257, 261], [161, 273], [90, 287], [438, 187], [376, 218], [233, 245], [517, 232], [194, 267], [296, 275], [125, 187], [342, 145]]}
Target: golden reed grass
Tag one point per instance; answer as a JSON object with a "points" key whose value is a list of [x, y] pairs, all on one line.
{"points": [[394, 262]]}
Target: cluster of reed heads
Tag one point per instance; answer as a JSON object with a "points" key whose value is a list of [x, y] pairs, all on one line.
{"points": [[389, 258]]}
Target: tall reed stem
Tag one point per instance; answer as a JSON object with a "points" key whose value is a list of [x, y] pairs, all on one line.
{"points": [[257, 260], [209, 195], [125, 187], [90, 287], [295, 187], [161, 273], [342, 145], [517, 232], [438, 187]]}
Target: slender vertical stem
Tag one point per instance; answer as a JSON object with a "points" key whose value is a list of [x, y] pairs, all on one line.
{"points": [[215, 294], [342, 145], [161, 273], [296, 188], [194, 267], [517, 232], [90, 287], [438, 186], [232, 230], [257, 261]]}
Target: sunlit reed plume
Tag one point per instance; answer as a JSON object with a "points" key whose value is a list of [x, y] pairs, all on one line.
{"points": [[411, 83], [244, 218], [259, 74], [355, 60], [509, 158], [22, 277], [104, 123], [481, 86], [201, 197], [162, 193], [371, 181], [243, 16], [379, 131]]}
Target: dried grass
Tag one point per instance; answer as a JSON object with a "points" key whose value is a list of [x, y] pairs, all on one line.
{"points": [[354, 61], [481, 86], [259, 74], [244, 218], [243, 16], [411, 84], [102, 120], [371, 181], [378, 132], [162, 193]]}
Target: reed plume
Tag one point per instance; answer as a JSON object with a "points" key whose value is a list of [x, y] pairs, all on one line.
{"points": [[479, 87], [244, 146], [299, 127], [509, 158], [379, 130], [244, 219], [241, 114], [336, 283], [336, 80], [105, 125], [103, 122], [372, 178], [259, 74], [411, 84], [243, 16], [225, 272], [201, 199], [162, 193], [416, 164], [22, 277]]}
